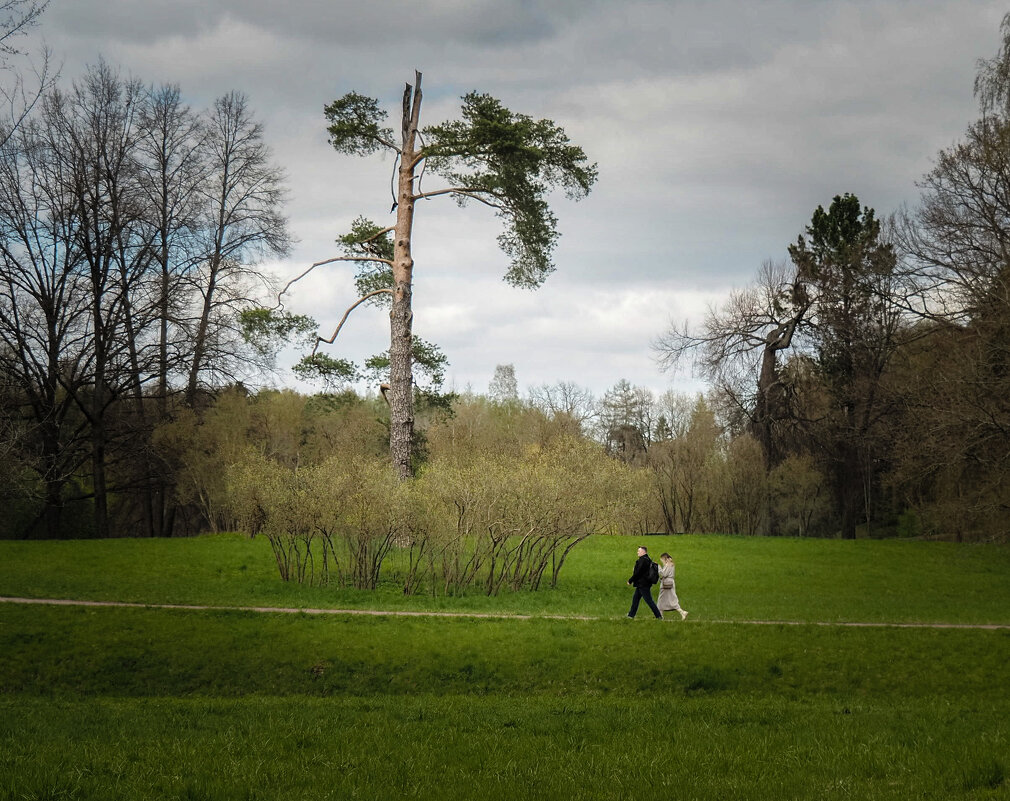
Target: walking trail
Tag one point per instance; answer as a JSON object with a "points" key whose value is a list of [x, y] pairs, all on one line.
{"points": [[488, 615]]}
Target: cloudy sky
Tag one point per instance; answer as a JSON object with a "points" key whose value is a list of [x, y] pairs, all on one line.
{"points": [[718, 127]]}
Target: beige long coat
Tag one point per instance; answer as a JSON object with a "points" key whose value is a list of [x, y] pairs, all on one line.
{"points": [[667, 600]]}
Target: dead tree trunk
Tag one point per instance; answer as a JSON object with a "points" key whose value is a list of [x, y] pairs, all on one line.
{"points": [[401, 389]]}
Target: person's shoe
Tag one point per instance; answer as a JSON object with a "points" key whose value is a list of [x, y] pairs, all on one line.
{"points": [[683, 615]]}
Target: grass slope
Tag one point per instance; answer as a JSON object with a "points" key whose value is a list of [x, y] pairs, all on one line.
{"points": [[718, 578], [498, 747], [133, 703]]}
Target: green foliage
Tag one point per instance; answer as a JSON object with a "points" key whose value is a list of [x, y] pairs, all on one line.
{"points": [[844, 262], [511, 162], [334, 521], [743, 489], [799, 496], [268, 330], [909, 524], [366, 238], [377, 279], [495, 521], [837, 236], [507, 161], [20, 487], [624, 420], [284, 426], [430, 403], [847, 270], [199, 445], [477, 520], [332, 373], [371, 241], [683, 468], [430, 359], [426, 356], [355, 125], [480, 425], [952, 441]]}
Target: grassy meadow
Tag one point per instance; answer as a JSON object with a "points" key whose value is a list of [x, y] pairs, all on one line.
{"points": [[142, 703]]}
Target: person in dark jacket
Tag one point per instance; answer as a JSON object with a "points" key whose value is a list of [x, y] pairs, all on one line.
{"points": [[643, 587]]}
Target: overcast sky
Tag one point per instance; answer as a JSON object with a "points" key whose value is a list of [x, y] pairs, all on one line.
{"points": [[718, 127]]}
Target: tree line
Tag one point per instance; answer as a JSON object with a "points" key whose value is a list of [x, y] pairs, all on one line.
{"points": [[879, 350], [859, 385], [130, 230]]}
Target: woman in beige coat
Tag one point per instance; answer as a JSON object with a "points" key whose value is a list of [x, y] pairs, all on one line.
{"points": [[667, 600]]}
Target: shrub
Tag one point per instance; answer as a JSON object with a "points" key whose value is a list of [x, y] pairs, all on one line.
{"points": [[800, 497], [345, 512], [499, 521]]}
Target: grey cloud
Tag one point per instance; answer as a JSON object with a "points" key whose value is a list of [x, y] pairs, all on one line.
{"points": [[346, 22], [718, 127], [111, 21]]}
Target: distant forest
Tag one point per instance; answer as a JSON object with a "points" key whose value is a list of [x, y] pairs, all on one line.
{"points": [[859, 387]]}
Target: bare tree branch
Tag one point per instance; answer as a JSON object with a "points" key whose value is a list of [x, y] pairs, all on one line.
{"points": [[478, 196], [377, 234], [347, 314], [298, 278], [21, 15]]}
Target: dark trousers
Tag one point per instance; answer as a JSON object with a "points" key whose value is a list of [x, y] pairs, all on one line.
{"points": [[646, 593]]}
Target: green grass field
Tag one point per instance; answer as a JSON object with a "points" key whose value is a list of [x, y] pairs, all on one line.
{"points": [[140, 703], [718, 578]]}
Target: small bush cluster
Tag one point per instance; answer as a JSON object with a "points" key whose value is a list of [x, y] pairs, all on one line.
{"points": [[707, 482], [335, 521], [484, 520], [511, 520]]}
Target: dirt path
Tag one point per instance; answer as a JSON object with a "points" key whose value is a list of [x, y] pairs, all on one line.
{"points": [[486, 615], [293, 610]]}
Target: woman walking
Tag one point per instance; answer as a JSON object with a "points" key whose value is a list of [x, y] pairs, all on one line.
{"points": [[668, 600]]}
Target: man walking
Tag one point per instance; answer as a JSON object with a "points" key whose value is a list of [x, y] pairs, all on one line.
{"points": [[643, 585]]}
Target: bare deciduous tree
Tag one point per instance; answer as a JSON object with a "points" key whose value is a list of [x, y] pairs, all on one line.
{"points": [[504, 388], [44, 310], [740, 345], [92, 130], [129, 235], [242, 222], [565, 399], [18, 98]]}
